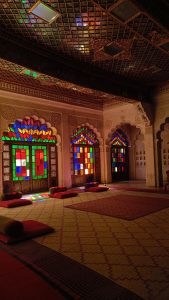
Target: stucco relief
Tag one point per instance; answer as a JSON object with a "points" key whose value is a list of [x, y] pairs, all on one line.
{"points": [[8, 112], [141, 115], [108, 124], [72, 120], [55, 119]]}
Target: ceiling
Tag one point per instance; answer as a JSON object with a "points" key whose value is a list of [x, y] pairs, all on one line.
{"points": [[95, 52]]}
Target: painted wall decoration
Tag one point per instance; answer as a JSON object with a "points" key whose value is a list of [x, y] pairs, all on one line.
{"points": [[83, 141], [29, 130]]}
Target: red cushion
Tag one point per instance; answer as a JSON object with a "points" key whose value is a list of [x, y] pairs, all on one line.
{"points": [[12, 195], [31, 229], [15, 203], [91, 184], [63, 195], [97, 189], [57, 189]]}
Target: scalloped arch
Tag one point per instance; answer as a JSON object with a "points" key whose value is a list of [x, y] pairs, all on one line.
{"points": [[121, 126], [42, 121], [100, 139]]}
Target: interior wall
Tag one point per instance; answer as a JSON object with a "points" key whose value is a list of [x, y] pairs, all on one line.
{"points": [[63, 117], [132, 120], [161, 133]]}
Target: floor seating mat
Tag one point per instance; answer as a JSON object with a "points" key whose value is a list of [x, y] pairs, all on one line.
{"points": [[77, 280], [126, 207], [31, 229], [15, 203], [97, 189], [18, 281], [63, 195]]}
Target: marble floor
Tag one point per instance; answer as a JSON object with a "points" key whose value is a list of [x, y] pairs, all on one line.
{"points": [[134, 254]]}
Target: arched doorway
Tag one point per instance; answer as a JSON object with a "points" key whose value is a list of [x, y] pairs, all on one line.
{"points": [[29, 156], [119, 156], [85, 156]]}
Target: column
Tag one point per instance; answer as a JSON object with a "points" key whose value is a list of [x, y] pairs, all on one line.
{"points": [[149, 151], [66, 163]]}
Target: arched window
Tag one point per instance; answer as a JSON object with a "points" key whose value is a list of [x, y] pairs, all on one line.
{"points": [[85, 147], [119, 156], [29, 156]]}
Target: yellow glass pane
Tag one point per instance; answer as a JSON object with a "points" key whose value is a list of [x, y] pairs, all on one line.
{"points": [[85, 149], [81, 172], [86, 171], [81, 150], [88, 166], [88, 155], [91, 171]]}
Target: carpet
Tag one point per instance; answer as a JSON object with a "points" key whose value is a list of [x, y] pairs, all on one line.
{"points": [[125, 207], [147, 190], [20, 282], [76, 280]]}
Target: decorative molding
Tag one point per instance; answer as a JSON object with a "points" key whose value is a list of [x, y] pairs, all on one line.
{"points": [[8, 112], [142, 114]]}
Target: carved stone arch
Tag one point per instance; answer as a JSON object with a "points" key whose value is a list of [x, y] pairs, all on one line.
{"points": [[95, 130]]}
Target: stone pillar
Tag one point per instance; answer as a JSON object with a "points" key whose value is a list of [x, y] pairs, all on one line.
{"points": [[60, 169], [150, 162], [1, 150], [102, 164], [66, 158], [108, 177]]}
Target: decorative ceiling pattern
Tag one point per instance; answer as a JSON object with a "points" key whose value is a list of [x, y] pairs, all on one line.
{"points": [[118, 40]]}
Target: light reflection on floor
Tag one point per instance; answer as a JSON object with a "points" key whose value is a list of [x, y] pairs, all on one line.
{"points": [[38, 197]]}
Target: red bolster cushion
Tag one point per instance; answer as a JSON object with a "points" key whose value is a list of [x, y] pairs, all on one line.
{"points": [[11, 227], [63, 195], [97, 189], [57, 189], [15, 203], [13, 195]]}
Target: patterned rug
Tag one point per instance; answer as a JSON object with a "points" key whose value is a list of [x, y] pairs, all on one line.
{"points": [[147, 190], [74, 279], [126, 207]]}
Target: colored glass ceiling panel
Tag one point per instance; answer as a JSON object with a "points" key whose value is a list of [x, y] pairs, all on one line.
{"points": [[44, 12]]}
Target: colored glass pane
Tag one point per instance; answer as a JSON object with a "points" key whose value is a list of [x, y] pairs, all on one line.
{"points": [[39, 162], [84, 135], [29, 130], [20, 162]]}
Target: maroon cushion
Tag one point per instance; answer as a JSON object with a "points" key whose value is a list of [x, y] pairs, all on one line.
{"points": [[97, 189], [63, 195], [15, 203], [91, 184], [11, 196], [31, 229], [10, 226], [57, 189]]}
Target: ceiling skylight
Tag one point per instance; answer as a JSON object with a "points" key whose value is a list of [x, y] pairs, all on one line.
{"points": [[44, 12]]}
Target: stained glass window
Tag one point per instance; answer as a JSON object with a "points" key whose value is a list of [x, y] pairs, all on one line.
{"points": [[20, 162], [39, 162], [83, 141], [119, 155]]}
